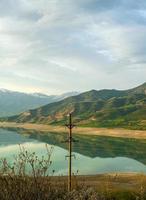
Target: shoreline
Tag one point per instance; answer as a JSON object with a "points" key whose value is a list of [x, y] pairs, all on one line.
{"points": [[115, 132]]}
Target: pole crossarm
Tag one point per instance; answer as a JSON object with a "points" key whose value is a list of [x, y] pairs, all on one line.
{"points": [[67, 141], [68, 156], [70, 126]]}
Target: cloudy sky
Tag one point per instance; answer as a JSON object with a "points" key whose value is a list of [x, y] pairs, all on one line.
{"points": [[56, 46]]}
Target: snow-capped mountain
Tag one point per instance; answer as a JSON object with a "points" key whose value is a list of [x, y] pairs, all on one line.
{"points": [[12, 102]]}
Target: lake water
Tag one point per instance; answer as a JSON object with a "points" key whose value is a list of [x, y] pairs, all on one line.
{"points": [[93, 154]]}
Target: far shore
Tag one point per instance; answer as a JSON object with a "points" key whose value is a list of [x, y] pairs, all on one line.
{"points": [[116, 132]]}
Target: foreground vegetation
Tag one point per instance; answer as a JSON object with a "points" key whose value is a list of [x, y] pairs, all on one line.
{"points": [[45, 188], [26, 188], [29, 178]]}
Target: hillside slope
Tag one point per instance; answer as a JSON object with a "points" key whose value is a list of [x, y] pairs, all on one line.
{"points": [[104, 108]]}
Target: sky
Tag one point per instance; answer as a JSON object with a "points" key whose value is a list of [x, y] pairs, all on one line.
{"points": [[56, 46]]}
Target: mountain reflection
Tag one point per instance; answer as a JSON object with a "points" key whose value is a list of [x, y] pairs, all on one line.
{"points": [[93, 146]]}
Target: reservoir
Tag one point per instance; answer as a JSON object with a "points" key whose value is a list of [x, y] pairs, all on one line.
{"points": [[92, 154]]}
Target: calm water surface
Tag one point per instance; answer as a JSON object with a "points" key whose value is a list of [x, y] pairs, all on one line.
{"points": [[93, 154]]}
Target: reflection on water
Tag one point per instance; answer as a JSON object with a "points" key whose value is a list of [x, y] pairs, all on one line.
{"points": [[94, 154]]}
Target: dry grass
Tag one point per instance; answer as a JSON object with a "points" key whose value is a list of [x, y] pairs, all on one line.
{"points": [[117, 132], [84, 188]]}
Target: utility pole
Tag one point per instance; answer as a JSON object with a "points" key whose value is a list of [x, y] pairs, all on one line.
{"points": [[70, 126]]}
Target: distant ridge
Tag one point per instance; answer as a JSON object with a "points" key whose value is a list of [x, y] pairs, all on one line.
{"points": [[103, 108], [12, 102], [139, 89]]}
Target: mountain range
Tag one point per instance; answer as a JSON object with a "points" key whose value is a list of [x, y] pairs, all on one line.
{"points": [[103, 108], [12, 103]]}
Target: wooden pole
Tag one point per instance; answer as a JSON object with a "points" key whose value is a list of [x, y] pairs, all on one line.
{"points": [[70, 126], [70, 154]]}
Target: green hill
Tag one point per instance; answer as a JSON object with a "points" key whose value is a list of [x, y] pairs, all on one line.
{"points": [[104, 108]]}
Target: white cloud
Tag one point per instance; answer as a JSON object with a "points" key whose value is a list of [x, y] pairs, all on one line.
{"points": [[72, 45]]}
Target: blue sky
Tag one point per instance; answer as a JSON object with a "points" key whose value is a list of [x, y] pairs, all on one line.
{"points": [[55, 46]]}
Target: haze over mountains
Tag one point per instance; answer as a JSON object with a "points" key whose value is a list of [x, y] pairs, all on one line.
{"points": [[12, 103], [104, 108]]}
